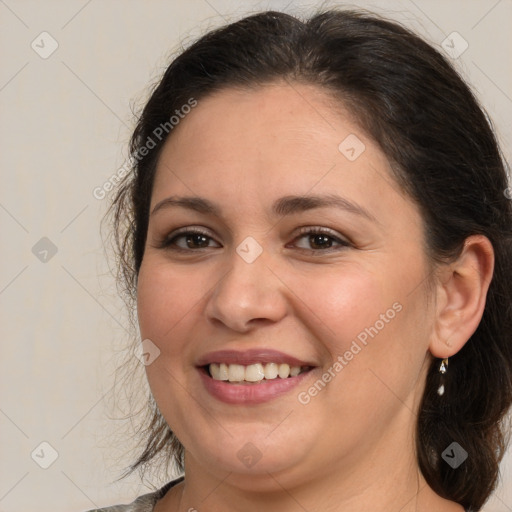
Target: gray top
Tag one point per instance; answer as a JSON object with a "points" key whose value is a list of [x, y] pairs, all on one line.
{"points": [[144, 503]]}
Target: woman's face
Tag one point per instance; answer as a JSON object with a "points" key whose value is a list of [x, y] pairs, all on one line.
{"points": [[308, 256]]}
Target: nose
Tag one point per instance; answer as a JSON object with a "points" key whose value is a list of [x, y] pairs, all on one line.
{"points": [[246, 295]]}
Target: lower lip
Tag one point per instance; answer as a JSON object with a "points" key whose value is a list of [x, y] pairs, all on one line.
{"points": [[250, 394]]}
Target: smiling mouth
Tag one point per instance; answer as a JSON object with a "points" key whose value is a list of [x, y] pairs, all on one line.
{"points": [[253, 373]]}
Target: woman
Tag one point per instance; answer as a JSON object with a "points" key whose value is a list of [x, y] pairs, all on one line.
{"points": [[318, 237]]}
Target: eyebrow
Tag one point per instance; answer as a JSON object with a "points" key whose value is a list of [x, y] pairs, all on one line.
{"points": [[283, 206]]}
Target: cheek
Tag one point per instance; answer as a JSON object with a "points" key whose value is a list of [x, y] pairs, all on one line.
{"points": [[370, 319], [166, 296], [167, 301], [341, 303]]}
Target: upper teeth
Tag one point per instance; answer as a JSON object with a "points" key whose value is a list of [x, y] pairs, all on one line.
{"points": [[252, 372]]}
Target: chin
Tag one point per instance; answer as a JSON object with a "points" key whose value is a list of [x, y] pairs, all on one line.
{"points": [[250, 458]]}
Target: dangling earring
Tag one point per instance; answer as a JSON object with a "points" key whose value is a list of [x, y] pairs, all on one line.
{"points": [[442, 370]]}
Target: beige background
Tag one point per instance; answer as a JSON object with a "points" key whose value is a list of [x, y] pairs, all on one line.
{"points": [[64, 123]]}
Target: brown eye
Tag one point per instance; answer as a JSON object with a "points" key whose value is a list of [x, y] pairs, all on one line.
{"points": [[319, 239], [196, 240], [188, 240]]}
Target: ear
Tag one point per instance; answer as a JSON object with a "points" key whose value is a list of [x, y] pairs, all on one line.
{"points": [[461, 293]]}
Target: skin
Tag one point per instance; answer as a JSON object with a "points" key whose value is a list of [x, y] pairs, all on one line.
{"points": [[351, 447]]}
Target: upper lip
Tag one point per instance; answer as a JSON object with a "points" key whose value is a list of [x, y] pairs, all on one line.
{"points": [[250, 356]]}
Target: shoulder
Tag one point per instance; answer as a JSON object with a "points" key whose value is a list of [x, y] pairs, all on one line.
{"points": [[144, 503]]}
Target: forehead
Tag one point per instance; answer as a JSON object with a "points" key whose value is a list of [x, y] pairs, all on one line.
{"points": [[265, 120], [268, 142]]}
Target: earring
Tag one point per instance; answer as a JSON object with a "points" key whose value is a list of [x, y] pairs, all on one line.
{"points": [[443, 368]]}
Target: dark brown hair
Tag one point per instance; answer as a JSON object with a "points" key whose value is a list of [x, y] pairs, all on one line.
{"points": [[444, 154]]}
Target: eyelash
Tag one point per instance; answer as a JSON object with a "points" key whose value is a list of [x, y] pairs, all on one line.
{"points": [[169, 241]]}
